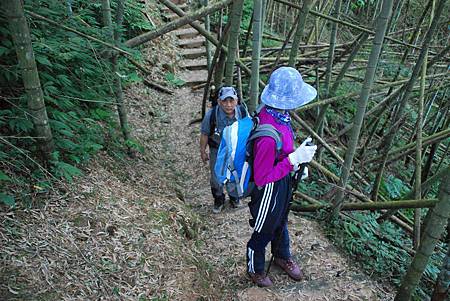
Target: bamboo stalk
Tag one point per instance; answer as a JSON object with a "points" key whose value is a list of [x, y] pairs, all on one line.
{"points": [[348, 24], [206, 34], [20, 32], [187, 19], [306, 7], [388, 140], [362, 103], [370, 206], [235, 20], [256, 50], [211, 69]]}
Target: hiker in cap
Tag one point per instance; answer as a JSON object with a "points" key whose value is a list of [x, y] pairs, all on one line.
{"points": [[216, 119], [272, 174]]}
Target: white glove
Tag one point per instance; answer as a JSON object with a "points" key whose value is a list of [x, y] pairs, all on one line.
{"points": [[305, 173], [303, 154]]}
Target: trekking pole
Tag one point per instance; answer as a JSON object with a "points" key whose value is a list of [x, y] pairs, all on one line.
{"points": [[295, 181]]}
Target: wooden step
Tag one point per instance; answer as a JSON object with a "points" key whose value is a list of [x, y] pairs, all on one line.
{"points": [[197, 64], [192, 43], [193, 53], [193, 78], [186, 33]]}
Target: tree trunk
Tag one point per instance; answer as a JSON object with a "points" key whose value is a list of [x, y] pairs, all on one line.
{"points": [[389, 138], [235, 20], [208, 43], [362, 103], [434, 227], [256, 52], [20, 33], [117, 87], [442, 286], [307, 4]]}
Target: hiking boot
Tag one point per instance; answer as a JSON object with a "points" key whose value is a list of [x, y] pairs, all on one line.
{"points": [[218, 206], [235, 203], [260, 280], [290, 267]]}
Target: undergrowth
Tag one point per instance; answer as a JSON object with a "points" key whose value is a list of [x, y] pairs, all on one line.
{"points": [[77, 83]]}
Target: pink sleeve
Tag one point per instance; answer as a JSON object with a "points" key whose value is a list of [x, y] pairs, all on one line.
{"points": [[264, 168]]}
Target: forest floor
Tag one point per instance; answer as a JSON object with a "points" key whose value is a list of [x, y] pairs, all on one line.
{"points": [[143, 229]]}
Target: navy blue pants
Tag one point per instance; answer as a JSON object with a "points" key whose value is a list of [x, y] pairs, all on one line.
{"points": [[268, 209]]}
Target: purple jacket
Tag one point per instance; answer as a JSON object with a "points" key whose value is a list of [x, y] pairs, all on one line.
{"points": [[265, 168]]}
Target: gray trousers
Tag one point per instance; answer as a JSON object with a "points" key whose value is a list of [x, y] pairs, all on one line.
{"points": [[216, 187]]}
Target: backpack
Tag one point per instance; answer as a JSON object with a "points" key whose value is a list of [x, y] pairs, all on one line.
{"points": [[214, 135], [234, 163]]}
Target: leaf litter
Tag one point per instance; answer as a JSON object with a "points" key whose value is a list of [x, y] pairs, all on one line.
{"points": [[142, 228]]}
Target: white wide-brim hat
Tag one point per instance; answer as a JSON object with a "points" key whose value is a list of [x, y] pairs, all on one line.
{"points": [[287, 90]]}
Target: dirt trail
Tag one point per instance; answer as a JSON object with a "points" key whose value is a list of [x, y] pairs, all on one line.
{"points": [[330, 275], [143, 229]]}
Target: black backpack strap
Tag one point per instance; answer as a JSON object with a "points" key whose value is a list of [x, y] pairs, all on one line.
{"points": [[213, 120], [243, 110]]}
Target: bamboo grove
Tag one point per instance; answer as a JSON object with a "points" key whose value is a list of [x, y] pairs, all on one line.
{"points": [[381, 117]]}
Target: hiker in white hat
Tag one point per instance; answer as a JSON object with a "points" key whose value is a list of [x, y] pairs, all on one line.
{"points": [[272, 174]]}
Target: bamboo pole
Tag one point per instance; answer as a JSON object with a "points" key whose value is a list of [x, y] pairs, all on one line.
{"points": [[370, 206], [405, 150], [187, 19], [348, 24], [389, 138], [235, 20], [256, 50], [206, 34], [211, 69], [362, 103], [20, 33], [418, 171], [307, 4], [434, 227]]}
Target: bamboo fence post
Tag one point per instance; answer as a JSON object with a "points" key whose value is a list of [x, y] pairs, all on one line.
{"points": [[362, 103]]}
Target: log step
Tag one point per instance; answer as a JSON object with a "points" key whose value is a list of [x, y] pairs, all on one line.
{"points": [[192, 43], [172, 16], [183, 7], [186, 33], [193, 78], [197, 64], [193, 53]]}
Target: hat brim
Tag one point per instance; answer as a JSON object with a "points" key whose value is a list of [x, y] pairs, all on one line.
{"points": [[305, 95]]}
